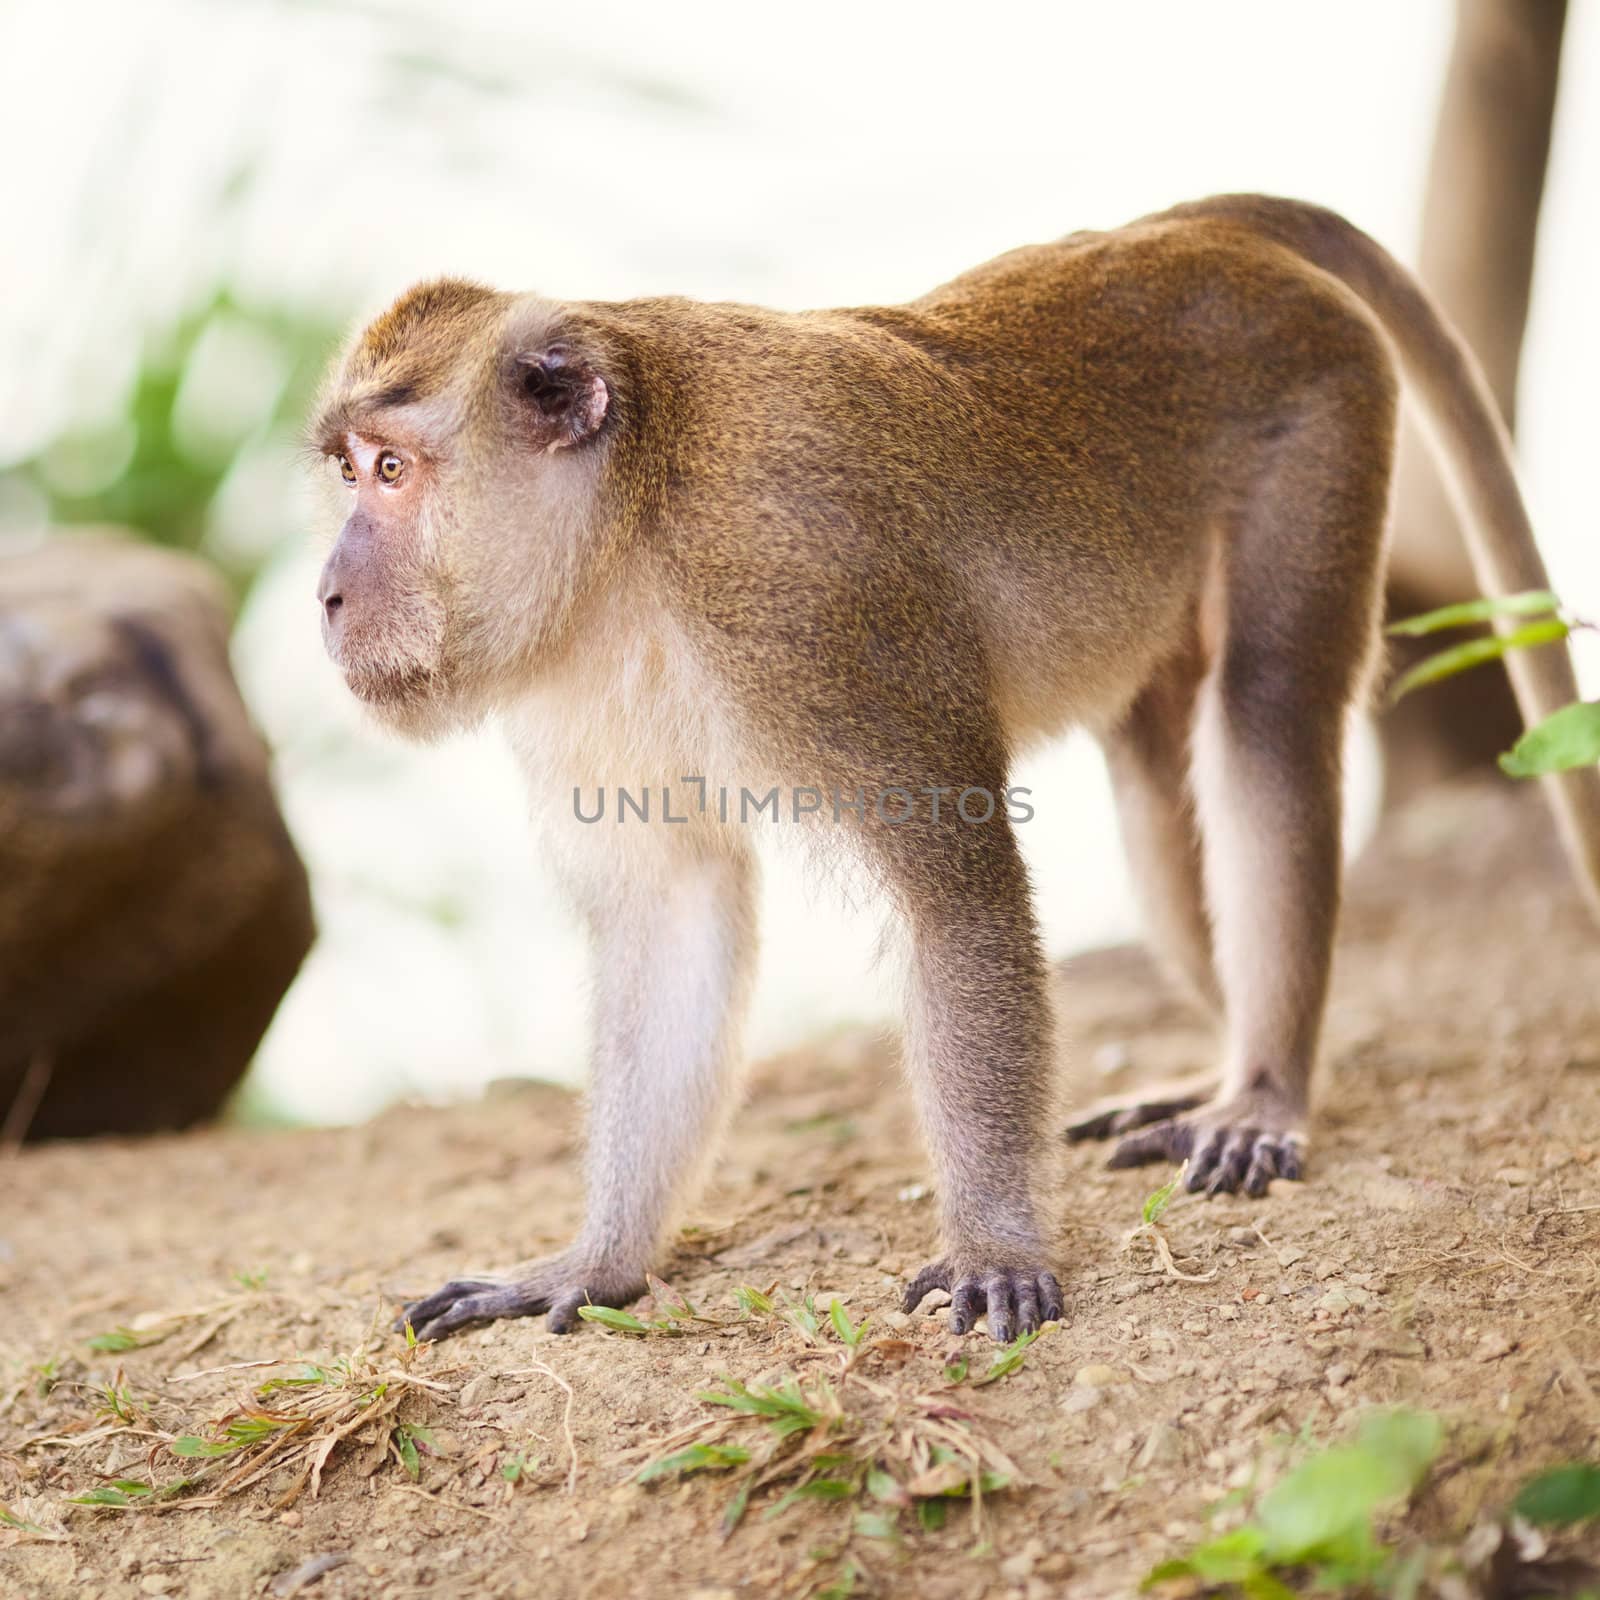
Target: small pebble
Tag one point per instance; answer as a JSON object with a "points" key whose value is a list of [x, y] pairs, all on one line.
{"points": [[1096, 1376]]}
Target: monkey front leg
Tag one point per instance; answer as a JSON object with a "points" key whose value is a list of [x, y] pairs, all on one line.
{"points": [[672, 969], [979, 1039]]}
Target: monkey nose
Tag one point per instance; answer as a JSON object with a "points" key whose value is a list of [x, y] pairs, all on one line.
{"points": [[329, 594]]}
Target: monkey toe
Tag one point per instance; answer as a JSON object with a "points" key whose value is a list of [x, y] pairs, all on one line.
{"points": [[934, 1276], [467, 1300], [563, 1316], [1111, 1121], [1248, 1159], [1163, 1141]]}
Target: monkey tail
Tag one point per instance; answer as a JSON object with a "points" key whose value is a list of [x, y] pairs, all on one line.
{"points": [[1474, 452]]}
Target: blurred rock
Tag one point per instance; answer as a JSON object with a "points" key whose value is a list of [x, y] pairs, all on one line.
{"points": [[152, 907]]}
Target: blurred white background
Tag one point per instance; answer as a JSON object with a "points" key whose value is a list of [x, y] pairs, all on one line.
{"points": [[327, 154]]}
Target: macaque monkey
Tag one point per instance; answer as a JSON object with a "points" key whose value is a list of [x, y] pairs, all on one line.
{"points": [[1134, 481]]}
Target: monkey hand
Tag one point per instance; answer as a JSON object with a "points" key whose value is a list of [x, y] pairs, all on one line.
{"points": [[558, 1286], [1232, 1146], [1016, 1299]]}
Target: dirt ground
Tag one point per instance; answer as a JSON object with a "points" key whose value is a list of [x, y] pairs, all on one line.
{"points": [[1443, 1254]]}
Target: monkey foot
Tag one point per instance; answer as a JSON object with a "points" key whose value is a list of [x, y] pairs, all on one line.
{"points": [[1016, 1299], [555, 1287], [1232, 1146]]}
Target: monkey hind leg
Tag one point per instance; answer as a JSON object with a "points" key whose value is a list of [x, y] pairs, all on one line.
{"points": [[1300, 573], [1148, 756]]}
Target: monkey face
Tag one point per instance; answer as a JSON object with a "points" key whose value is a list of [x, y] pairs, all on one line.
{"points": [[450, 430], [383, 619]]}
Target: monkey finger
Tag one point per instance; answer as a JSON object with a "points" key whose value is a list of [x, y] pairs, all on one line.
{"points": [[1124, 1119], [1027, 1306], [935, 1276], [1050, 1306], [1263, 1169], [1002, 1306], [1207, 1153], [563, 1315], [471, 1308], [1233, 1162], [480, 1301], [1289, 1159], [967, 1306], [1165, 1141], [420, 1312]]}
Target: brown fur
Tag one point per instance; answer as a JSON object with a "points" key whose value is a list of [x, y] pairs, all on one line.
{"points": [[1134, 481]]}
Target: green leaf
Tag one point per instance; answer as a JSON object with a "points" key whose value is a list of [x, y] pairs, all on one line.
{"points": [[1530, 603], [1561, 1496], [1461, 657], [840, 1319], [931, 1514], [1567, 738], [115, 1342], [752, 1301], [697, 1458], [1263, 1586], [408, 1453], [733, 1512], [784, 1404], [617, 1321], [817, 1489], [1326, 1504], [101, 1497], [1008, 1360], [956, 1371], [189, 1445], [1408, 1440], [1158, 1201], [1231, 1558]]}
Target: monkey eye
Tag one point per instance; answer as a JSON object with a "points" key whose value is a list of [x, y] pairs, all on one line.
{"points": [[389, 468], [346, 471]]}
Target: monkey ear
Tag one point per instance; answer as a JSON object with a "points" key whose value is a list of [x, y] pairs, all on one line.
{"points": [[562, 397]]}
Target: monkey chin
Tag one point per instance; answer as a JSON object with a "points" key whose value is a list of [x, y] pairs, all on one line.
{"points": [[415, 702]]}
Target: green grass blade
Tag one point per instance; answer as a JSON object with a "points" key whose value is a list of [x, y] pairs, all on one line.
{"points": [[1530, 603], [1474, 653]]}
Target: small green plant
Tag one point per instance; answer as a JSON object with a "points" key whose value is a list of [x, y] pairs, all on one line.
{"points": [[1158, 1200], [1007, 1360], [116, 1341], [1318, 1520], [892, 1462], [850, 1335], [405, 1439], [1567, 738], [1149, 1230]]}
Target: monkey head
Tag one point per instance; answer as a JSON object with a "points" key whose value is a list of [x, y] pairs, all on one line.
{"points": [[464, 431]]}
